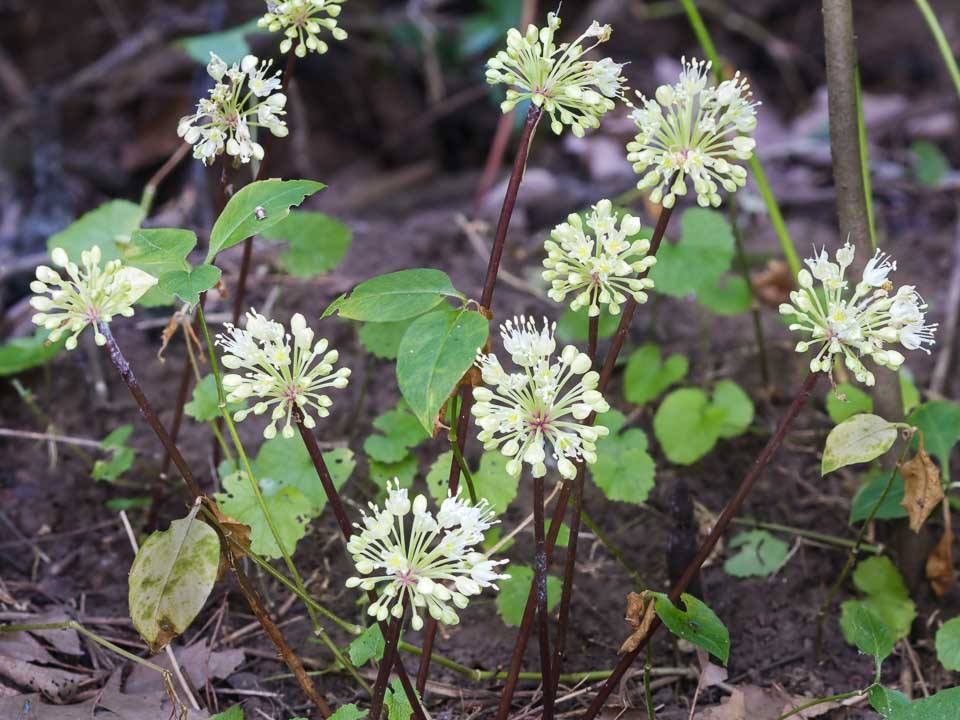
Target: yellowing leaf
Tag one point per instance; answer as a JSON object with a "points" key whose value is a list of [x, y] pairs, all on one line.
{"points": [[858, 439]]}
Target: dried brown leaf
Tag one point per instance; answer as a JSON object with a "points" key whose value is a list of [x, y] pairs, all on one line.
{"points": [[640, 614], [749, 702], [940, 570], [773, 284], [922, 488]]}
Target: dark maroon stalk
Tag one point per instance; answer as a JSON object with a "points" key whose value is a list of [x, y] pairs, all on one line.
{"points": [[272, 630], [389, 655], [526, 625], [719, 527], [540, 581], [346, 529], [593, 332], [486, 297], [158, 483]]}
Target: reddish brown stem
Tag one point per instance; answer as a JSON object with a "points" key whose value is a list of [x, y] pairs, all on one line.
{"points": [[390, 654], [346, 529], [540, 582], [593, 332], [272, 630], [719, 527], [526, 625], [493, 267]]}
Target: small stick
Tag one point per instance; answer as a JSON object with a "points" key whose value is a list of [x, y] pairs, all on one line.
{"points": [[720, 527], [178, 673], [150, 189], [49, 437]]}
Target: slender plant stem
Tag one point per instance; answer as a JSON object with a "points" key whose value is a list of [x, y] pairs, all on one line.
{"points": [[852, 555], [812, 534], [863, 142], [486, 297], [150, 189], [389, 656], [458, 453], [754, 304], [756, 168], [270, 627], [593, 331], [606, 373], [820, 701], [46, 421], [942, 44], [719, 528], [647, 689], [612, 548], [540, 581]]}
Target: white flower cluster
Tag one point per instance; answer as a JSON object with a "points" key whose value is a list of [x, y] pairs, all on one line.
{"points": [[277, 374], [88, 296], [598, 267], [573, 91], [863, 323], [542, 404], [245, 96], [302, 21], [694, 129], [430, 566]]}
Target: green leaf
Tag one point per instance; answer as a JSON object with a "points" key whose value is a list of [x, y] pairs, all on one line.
{"points": [[647, 376], [25, 353], [847, 400], [869, 493], [948, 644], [701, 257], [317, 242], [945, 705], [869, 633], [230, 44], [159, 251], [939, 420], [204, 406], [435, 353], [730, 296], [171, 577], [395, 296], [930, 163], [368, 645], [697, 624], [117, 437], [234, 713], [761, 554], [688, 424], [405, 471], [885, 595], [886, 701], [107, 226], [188, 284], [624, 470], [857, 439], [255, 208], [737, 407], [382, 339], [491, 480], [290, 509], [396, 703], [384, 449], [349, 712], [110, 470], [908, 390], [574, 326], [401, 425], [128, 503], [512, 597], [287, 462]]}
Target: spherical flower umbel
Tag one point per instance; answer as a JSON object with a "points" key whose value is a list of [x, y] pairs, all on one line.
{"points": [[302, 21], [90, 295], [521, 412], [431, 564], [858, 324], [597, 267], [571, 90], [694, 129], [245, 96], [278, 374]]}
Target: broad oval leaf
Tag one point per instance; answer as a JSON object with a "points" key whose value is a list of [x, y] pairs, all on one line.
{"points": [[761, 554], [230, 44], [491, 480], [317, 242], [858, 439], [435, 353], [24, 353], [869, 633], [256, 207], [108, 227], [368, 645], [158, 251], [846, 400], [647, 376], [171, 578], [395, 296], [624, 470], [697, 624], [188, 284], [685, 427], [948, 644], [737, 407], [701, 257]]}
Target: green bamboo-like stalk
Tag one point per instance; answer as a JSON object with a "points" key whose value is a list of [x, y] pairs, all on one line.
{"points": [[865, 164], [948, 59], [759, 176]]}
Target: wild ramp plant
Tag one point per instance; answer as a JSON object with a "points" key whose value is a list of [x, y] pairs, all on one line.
{"points": [[542, 415]]}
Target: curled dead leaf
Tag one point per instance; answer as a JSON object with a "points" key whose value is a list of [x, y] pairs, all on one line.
{"points": [[640, 614], [235, 532], [922, 489], [772, 285], [940, 570]]}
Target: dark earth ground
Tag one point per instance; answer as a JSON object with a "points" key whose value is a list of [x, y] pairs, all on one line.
{"points": [[400, 182]]}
